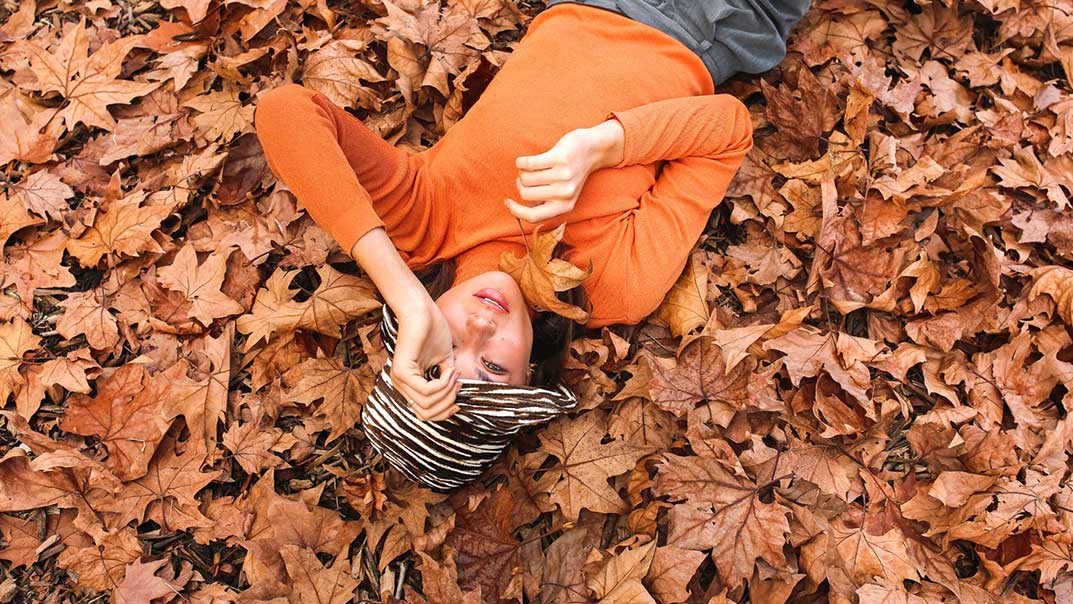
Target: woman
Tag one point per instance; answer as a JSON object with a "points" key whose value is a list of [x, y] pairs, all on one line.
{"points": [[598, 120]]}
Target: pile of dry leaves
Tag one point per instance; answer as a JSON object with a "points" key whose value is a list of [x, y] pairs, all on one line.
{"points": [[857, 392]]}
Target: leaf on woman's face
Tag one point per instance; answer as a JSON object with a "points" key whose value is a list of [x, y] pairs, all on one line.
{"points": [[540, 276]]}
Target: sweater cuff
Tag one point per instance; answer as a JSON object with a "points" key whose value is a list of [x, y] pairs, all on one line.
{"points": [[350, 231], [628, 124]]}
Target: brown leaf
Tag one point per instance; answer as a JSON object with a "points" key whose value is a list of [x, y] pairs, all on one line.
{"points": [[697, 376], [16, 339], [334, 71], [672, 568], [141, 585], [102, 565], [125, 414], [722, 512], [619, 576], [338, 299], [342, 390], [803, 118], [87, 82], [540, 276], [122, 229], [488, 556], [20, 538], [1056, 282], [167, 489], [200, 284], [313, 583], [84, 313], [563, 581], [585, 464], [685, 307]]}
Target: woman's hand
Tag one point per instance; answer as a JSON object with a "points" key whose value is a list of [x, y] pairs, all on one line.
{"points": [[424, 341], [424, 338], [553, 180]]}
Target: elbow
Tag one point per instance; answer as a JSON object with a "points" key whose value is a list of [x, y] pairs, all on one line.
{"points": [[741, 133], [276, 111], [734, 136]]}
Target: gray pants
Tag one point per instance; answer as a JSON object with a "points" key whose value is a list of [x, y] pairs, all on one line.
{"points": [[731, 36]]}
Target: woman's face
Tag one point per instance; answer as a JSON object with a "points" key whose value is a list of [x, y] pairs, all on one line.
{"points": [[491, 328]]}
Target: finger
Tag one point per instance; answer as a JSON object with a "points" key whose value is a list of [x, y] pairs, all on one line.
{"points": [[416, 381], [446, 414], [537, 162], [559, 191], [427, 401], [539, 213], [415, 399], [533, 178], [437, 407]]}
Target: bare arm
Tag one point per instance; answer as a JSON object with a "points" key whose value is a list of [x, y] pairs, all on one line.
{"points": [[424, 338]]}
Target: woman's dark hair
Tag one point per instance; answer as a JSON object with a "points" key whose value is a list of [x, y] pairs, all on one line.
{"points": [[552, 333]]}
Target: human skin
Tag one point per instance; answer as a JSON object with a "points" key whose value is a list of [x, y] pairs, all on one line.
{"points": [[462, 333], [491, 340]]}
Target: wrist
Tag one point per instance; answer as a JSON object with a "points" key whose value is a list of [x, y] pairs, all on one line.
{"points": [[608, 140], [397, 284]]}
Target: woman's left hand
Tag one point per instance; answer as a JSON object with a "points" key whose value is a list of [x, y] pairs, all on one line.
{"points": [[552, 181]]}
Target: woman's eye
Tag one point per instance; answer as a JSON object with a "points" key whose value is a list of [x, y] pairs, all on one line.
{"points": [[494, 368]]}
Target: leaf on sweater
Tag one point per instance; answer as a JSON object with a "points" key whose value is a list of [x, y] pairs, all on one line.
{"points": [[541, 276]]}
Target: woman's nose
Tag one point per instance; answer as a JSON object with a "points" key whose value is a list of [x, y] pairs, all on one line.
{"points": [[481, 325]]}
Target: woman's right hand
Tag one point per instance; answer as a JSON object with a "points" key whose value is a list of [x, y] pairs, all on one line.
{"points": [[424, 341]]}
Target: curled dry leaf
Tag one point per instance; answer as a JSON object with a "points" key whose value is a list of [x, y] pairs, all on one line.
{"points": [[540, 276]]}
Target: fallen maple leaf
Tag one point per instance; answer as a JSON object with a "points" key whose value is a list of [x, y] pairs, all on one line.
{"points": [[585, 464], [685, 307], [338, 299], [540, 276], [697, 376], [127, 416], [342, 389], [141, 585], [313, 583], [721, 512], [200, 284], [87, 82]]}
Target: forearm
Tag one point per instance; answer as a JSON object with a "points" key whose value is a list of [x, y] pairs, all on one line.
{"points": [[376, 254], [698, 126]]}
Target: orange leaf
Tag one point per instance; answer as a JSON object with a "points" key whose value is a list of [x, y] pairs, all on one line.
{"points": [[540, 276]]}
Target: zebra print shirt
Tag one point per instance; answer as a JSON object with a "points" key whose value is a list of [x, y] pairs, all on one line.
{"points": [[442, 455]]}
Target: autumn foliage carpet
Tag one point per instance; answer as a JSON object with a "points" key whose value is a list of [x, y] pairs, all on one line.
{"points": [[857, 392]]}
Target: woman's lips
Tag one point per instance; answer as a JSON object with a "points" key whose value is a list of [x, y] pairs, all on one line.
{"points": [[493, 298]]}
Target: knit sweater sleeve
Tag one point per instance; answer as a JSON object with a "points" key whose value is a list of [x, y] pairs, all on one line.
{"points": [[306, 140], [705, 143], [693, 126]]}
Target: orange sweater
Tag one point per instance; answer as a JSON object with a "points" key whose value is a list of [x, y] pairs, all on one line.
{"points": [[575, 67]]}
